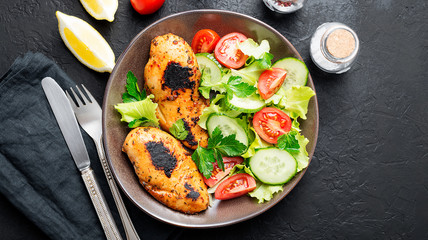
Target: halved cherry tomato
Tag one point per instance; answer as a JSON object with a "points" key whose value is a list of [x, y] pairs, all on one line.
{"points": [[270, 123], [227, 52], [146, 6], [205, 41], [217, 174], [235, 186], [270, 81]]}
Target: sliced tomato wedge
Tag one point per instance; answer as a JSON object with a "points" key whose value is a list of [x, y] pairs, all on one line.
{"points": [[217, 174], [235, 186], [227, 52], [205, 41], [270, 123], [270, 81]]}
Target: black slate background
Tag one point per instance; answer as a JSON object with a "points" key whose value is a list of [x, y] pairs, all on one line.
{"points": [[368, 178]]}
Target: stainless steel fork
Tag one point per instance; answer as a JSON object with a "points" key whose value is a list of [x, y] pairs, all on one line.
{"points": [[88, 114]]}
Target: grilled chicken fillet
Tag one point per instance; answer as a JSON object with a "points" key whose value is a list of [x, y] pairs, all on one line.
{"points": [[166, 170], [172, 75]]}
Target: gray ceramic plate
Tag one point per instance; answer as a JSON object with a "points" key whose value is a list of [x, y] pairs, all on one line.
{"points": [[134, 58]]}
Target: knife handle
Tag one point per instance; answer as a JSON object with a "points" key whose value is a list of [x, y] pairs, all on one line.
{"points": [[101, 207], [131, 233]]}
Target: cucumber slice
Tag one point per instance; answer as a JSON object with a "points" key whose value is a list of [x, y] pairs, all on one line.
{"points": [[297, 72], [227, 126], [208, 64], [273, 166], [249, 104]]}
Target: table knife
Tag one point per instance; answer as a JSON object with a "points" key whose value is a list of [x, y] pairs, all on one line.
{"points": [[70, 130]]}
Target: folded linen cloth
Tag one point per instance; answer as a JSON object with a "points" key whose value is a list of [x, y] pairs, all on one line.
{"points": [[37, 172]]}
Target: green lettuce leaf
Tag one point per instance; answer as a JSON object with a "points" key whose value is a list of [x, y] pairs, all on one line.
{"points": [[142, 122], [136, 110], [208, 84], [256, 144], [241, 168], [251, 73], [264, 192], [302, 155], [295, 125], [296, 101], [251, 48]]}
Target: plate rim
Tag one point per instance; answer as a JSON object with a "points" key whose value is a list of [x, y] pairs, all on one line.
{"points": [[230, 222]]}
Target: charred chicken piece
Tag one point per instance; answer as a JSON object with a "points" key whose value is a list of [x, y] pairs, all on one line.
{"points": [[172, 75], [165, 169]]}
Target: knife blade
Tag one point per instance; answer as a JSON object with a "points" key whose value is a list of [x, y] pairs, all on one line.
{"points": [[67, 122]]}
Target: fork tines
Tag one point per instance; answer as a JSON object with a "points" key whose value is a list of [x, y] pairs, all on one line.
{"points": [[82, 96]]}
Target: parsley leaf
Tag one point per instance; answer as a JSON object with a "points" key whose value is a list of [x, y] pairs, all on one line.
{"points": [[133, 93], [219, 159], [289, 142], [217, 146], [228, 145], [239, 88], [215, 138], [178, 130], [204, 159]]}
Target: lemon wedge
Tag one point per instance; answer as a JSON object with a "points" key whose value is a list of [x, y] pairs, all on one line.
{"points": [[85, 43], [101, 9]]}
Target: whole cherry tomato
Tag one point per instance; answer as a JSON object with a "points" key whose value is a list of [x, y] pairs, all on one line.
{"points": [[146, 6]]}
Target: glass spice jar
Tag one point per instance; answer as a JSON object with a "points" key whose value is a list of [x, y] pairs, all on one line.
{"points": [[284, 6], [334, 47]]}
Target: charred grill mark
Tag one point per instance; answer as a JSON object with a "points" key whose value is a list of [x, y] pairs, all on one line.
{"points": [[195, 120], [190, 139], [177, 77], [192, 194], [161, 157]]}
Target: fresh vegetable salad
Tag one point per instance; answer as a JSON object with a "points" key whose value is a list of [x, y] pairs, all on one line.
{"points": [[255, 145]]}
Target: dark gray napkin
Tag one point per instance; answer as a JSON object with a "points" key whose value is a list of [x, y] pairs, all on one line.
{"points": [[37, 173]]}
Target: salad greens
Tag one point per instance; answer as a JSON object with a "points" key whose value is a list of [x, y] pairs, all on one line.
{"points": [[265, 192], [218, 145], [242, 83], [236, 86], [252, 49], [137, 108]]}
